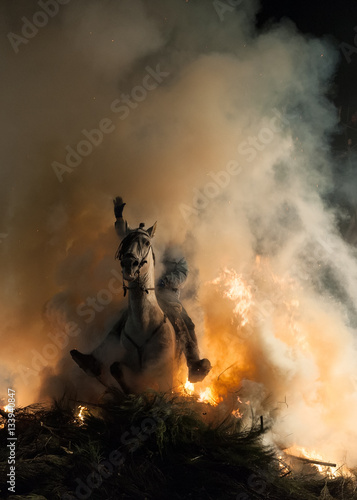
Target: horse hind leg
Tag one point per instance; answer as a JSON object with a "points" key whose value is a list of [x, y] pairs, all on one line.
{"points": [[117, 372]]}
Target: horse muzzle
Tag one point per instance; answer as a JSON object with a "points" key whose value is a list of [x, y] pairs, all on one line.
{"points": [[130, 268]]}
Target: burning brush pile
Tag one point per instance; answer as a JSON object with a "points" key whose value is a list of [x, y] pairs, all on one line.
{"points": [[156, 446]]}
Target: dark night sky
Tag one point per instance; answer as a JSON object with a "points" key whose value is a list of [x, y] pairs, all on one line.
{"points": [[329, 18], [334, 20]]}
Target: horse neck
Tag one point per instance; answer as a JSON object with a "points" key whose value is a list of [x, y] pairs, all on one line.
{"points": [[141, 302]]}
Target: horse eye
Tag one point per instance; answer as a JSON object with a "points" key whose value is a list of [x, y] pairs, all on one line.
{"points": [[147, 243]]}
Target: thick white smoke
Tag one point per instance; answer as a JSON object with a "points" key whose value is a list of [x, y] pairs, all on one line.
{"points": [[221, 135]]}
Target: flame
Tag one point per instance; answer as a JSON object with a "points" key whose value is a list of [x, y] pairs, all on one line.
{"points": [[188, 388], [208, 396], [81, 414], [241, 410], [326, 470], [237, 291], [6, 409], [263, 310], [284, 467]]}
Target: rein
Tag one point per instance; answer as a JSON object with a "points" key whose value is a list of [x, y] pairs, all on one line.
{"points": [[142, 288]]}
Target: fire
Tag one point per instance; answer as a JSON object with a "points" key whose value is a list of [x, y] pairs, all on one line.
{"points": [[189, 388], [237, 413], [324, 466], [237, 291], [6, 409], [264, 312], [81, 414], [206, 395]]}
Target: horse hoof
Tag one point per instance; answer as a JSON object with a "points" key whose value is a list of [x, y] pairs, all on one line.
{"points": [[198, 370], [87, 362]]}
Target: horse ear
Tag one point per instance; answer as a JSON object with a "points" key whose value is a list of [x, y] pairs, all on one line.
{"points": [[151, 230]]}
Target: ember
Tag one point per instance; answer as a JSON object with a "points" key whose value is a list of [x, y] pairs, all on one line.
{"points": [[82, 410]]}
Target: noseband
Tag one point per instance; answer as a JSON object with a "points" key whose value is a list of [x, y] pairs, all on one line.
{"points": [[121, 252]]}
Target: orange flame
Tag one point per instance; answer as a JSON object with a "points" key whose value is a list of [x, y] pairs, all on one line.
{"points": [[237, 291], [237, 413], [81, 414], [188, 388], [206, 395], [326, 470], [7, 409], [241, 312]]}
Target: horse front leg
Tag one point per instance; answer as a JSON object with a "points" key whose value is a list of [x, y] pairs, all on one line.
{"points": [[116, 369], [87, 362]]}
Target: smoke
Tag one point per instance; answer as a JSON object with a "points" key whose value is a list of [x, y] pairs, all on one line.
{"points": [[219, 133]]}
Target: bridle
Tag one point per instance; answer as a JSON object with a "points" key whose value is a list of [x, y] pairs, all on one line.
{"points": [[121, 252]]}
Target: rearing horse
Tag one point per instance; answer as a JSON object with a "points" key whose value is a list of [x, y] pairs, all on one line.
{"points": [[141, 348]]}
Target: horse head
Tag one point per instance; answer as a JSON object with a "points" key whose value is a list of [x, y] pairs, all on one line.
{"points": [[135, 252]]}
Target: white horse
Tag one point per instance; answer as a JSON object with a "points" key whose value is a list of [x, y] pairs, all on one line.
{"points": [[141, 348]]}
